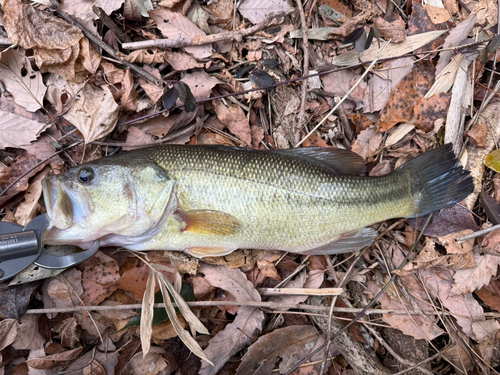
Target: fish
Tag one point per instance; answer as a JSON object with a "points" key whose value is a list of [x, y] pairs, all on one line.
{"points": [[212, 200]]}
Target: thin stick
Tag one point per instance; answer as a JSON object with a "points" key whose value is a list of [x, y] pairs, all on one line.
{"points": [[477, 234], [305, 48], [236, 35], [346, 95]]}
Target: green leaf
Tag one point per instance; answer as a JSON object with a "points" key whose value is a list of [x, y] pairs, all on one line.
{"points": [[492, 160]]}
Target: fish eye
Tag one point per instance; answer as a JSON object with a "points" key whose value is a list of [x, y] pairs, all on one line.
{"points": [[85, 175]]}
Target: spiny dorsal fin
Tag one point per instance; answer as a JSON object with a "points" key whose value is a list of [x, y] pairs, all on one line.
{"points": [[343, 162]]}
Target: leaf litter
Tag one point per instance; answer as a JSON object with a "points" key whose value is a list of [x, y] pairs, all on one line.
{"points": [[72, 76]]}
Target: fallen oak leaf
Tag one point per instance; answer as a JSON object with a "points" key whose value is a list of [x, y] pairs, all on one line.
{"points": [[290, 343], [54, 360], [467, 281]]}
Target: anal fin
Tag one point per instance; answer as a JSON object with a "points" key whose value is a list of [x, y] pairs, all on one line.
{"points": [[347, 243], [200, 252]]}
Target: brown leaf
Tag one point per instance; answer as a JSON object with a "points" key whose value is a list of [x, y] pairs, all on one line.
{"points": [[174, 24], [449, 220], [201, 287], [14, 299], [200, 83], [152, 364], [28, 336], [129, 94], [290, 343], [165, 330], [8, 332], [437, 15], [54, 360], [419, 327], [29, 207], [315, 141], [247, 324], [367, 143], [63, 290], [21, 81], [182, 61], [380, 85], [406, 95], [463, 307], [55, 42], [134, 280], [478, 134], [490, 294], [431, 109], [268, 269], [235, 120], [394, 30], [467, 281], [361, 122], [137, 135], [69, 332], [100, 276], [420, 22]]}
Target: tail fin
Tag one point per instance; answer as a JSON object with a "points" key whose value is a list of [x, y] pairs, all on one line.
{"points": [[438, 182]]}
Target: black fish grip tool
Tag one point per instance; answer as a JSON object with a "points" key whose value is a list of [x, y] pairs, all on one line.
{"points": [[21, 246]]}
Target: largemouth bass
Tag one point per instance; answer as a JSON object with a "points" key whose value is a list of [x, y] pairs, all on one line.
{"points": [[211, 200]]}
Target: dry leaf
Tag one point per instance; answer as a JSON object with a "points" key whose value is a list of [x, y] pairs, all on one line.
{"points": [[69, 333], [437, 15], [59, 292], [257, 10], [92, 111], [418, 326], [29, 208], [182, 61], [129, 94], [100, 276], [8, 332], [174, 25], [268, 269], [406, 95], [54, 360], [83, 9], [147, 314], [420, 22], [235, 120], [463, 307], [200, 83], [478, 134], [367, 143], [152, 364], [429, 110], [486, 332], [16, 131], [247, 324], [23, 83], [28, 336], [291, 344], [136, 135], [467, 281], [394, 30]]}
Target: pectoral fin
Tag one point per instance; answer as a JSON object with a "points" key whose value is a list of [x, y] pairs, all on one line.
{"points": [[200, 252], [347, 243], [208, 222]]}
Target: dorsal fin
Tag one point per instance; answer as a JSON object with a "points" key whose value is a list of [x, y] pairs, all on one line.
{"points": [[343, 162]]}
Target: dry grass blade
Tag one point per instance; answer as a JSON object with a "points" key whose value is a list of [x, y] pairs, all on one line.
{"points": [[147, 314], [184, 309], [184, 335]]}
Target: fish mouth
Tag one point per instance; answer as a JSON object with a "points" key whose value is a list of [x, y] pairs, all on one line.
{"points": [[57, 202]]}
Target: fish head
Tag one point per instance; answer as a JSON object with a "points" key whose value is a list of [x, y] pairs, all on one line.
{"points": [[112, 196]]}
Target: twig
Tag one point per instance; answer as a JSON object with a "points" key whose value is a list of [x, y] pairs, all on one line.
{"points": [[305, 48], [301, 291], [104, 46], [236, 35], [477, 234], [346, 95], [266, 305], [122, 37]]}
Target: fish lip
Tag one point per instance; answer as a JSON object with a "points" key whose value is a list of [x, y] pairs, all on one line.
{"points": [[50, 189]]}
